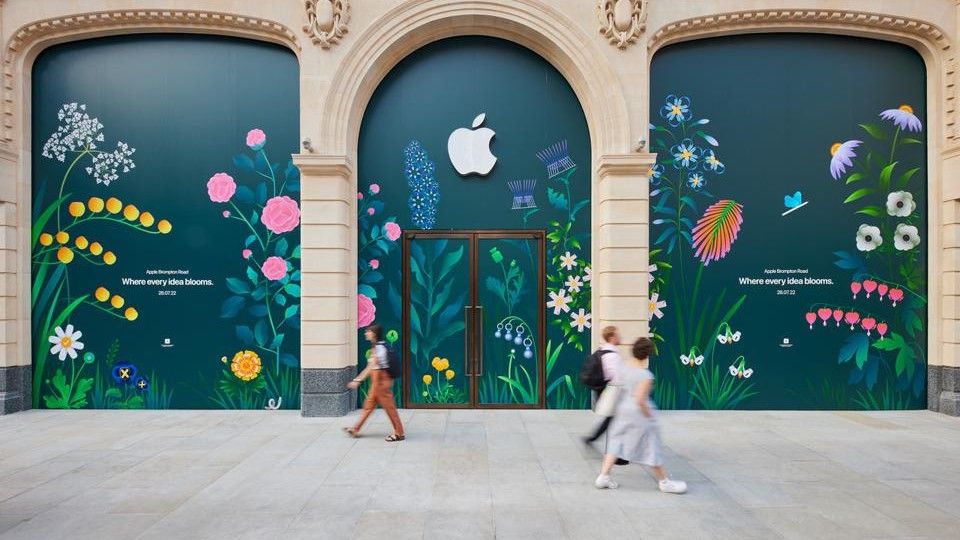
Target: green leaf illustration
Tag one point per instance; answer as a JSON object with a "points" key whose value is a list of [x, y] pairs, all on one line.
{"points": [[238, 286], [874, 211], [885, 176], [905, 177], [859, 194], [557, 199], [854, 177], [874, 130]]}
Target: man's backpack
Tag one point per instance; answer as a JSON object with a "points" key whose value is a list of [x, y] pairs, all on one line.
{"points": [[394, 367], [591, 375]]}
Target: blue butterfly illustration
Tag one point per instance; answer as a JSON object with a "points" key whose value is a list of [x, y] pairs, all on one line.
{"points": [[793, 202]]}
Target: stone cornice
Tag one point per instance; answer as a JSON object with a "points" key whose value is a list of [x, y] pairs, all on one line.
{"points": [[738, 21], [637, 164], [319, 165], [100, 23]]}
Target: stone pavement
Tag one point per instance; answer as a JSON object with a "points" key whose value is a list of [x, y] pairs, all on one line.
{"points": [[473, 474]]}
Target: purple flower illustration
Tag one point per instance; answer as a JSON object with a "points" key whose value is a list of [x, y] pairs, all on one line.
{"points": [[843, 155], [903, 118]]}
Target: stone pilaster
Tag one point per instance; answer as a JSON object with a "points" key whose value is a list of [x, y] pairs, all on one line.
{"points": [[943, 388], [621, 244], [15, 377], [328, 309]]}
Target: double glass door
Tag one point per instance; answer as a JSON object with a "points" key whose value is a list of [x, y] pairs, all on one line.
{"points": [[473, 319]]}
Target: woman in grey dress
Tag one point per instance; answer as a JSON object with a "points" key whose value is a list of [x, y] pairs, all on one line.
{"points": [[634, 434]]}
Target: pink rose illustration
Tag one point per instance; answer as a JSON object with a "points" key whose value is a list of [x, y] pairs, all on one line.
{"points": [[371, 211], [359, 196], [374, 263], [393, 230], [374, 188], [274, 268], [366, 311], [221, 187], [256, 138], [226, 213], [246, 253], [281, 214]]}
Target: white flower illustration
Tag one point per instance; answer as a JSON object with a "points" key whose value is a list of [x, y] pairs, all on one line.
{"points": [[568, 261], [588, 273], [900, 204], [691, 360], [650, 270], [868, 238], [559, 301], [574, 283], [65, 342], [580, 320], [906, 237], [657, 305]]}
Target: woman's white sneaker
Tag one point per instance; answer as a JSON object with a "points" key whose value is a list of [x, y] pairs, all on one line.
{"points": [[604, 482], [670, 486]]}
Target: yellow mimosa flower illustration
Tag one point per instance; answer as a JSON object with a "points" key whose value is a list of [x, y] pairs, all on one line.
{"points": [[101, 294], [46, 239], [81, 242], [95, 204], [164, 226], [131, 212], [64, 255], [109, 258], [146, 219], [96, 248], [131, 314], [116, 301], [114, 205], [62, 237], [76, 209]]}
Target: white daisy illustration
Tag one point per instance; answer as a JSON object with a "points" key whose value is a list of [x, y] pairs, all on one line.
{"points": [[65, 343]]}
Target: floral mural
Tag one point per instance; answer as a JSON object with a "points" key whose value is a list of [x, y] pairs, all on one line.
{"points": [[884, 315], [66, 374], [691, 228], [264, 301]]}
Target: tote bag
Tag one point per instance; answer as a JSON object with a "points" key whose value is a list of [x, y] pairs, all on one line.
{"points": [[607, 402]]}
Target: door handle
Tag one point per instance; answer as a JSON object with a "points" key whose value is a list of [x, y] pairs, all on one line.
{"points": [[466, 340], [480, 341]]}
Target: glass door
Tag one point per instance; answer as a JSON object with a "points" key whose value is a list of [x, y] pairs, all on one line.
{"points": [[510, 316], [438, 272], [473, 319]]}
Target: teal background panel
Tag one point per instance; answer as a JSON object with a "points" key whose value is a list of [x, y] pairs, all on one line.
{"points": [[530, 106], [776, 104], [187, 121]]}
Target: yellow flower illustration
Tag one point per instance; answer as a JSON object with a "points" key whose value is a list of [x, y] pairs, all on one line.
{"points": [[131, 314], [440, 364], [96, 248], [116, 301], [95, 204], [146, 219], [114, 205], [76, 209], [131, 212], [245, 365], [450, 374], [46, 239], [64, 255], [81, 242], [164, 226], [427, 379], [101, 294], [109, 258], [62, 237]]}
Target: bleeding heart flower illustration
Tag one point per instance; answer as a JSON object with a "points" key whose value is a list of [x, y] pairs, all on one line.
{"points": [[811, 318], [882, 290], [824, 313], [869, 286], [856, 287], [838, 316], [882, 329], [852, 318], [868, 324], [896, 295]]}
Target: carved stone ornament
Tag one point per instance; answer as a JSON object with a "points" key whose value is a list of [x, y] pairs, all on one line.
{"points": [[622, 21], [326, 21]]}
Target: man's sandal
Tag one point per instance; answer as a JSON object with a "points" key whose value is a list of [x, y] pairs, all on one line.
{"points": [[351, 432], [395, 438]]}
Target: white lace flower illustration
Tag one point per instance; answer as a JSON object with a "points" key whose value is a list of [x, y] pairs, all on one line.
{"points": [[906, 237], [868, 237], [79, 133], [900, 204]]}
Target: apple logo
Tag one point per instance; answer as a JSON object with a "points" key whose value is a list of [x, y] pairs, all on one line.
{"points": [[469, 149]]}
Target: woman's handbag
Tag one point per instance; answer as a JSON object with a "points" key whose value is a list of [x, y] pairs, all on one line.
{"points": [[607, 402]]}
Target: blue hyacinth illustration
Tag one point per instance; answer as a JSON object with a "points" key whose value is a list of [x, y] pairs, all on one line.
{"points": [[424, 188]]}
